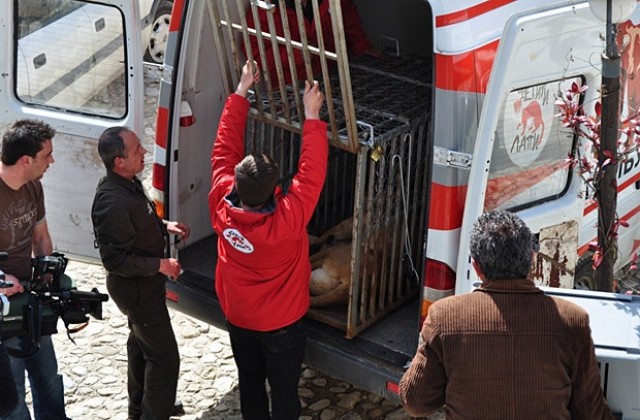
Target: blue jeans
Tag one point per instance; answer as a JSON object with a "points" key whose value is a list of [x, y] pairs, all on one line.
{"points": [[46, 384], [274, 356]]}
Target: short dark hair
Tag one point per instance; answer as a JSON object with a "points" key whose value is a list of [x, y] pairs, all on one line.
{"points": [[24, 138], [502, 245], [256, 177], [111, 145]]}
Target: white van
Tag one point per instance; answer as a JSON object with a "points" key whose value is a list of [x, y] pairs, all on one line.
{"points": [[423, 141]]}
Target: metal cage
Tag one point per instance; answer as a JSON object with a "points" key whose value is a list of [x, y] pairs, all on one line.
{"points": [[379, 162]]}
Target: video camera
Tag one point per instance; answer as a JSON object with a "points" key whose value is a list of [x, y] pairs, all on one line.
{"points": [[49, 295]]}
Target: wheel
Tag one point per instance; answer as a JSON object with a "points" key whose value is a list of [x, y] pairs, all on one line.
{"points": [[585, 276], [159, 33]]}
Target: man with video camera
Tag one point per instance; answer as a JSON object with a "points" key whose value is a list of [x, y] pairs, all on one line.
{"points": [[27, 152]]}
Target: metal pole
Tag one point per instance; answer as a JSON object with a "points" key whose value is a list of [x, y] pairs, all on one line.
{"points": [[607, 188]]}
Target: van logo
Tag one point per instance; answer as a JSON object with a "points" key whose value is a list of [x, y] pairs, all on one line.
{"points": [[526, 116], [239, 242]]}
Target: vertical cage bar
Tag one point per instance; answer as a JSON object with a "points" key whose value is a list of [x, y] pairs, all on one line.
{"points": [[356, 245], [275, 48], [247, 45], [231, 37], [386, 240], [325, 69], [292, 62], [344, 74], [305, 43], [392, 152], [263, 55], [366, 272], [400, 234], [218, 39]]}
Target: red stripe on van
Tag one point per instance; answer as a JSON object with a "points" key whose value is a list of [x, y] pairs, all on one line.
{"points": [[162, 127], [632, 213], [594, 205], [584, 248], [447, 204], [174, 24], [591, 207], [629, 181], [470, 12], [453, 71]]}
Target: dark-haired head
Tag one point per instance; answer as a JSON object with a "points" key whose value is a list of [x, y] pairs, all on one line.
{"points": [[256, 177], [25, 138], [111, 145], [502, 246]]}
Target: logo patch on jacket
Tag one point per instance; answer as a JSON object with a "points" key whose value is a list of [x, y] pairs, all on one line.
{"points": [[237, 241]]}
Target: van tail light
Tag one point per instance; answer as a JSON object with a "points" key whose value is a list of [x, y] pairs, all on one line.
{"points": [[186, 115], [393, 387], [158, 183], [439, 282], [172, 296], [158, 177]]}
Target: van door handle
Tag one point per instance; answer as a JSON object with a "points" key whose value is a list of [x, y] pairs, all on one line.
{"points": [[100, 24], [264, 5], [39, 60]]}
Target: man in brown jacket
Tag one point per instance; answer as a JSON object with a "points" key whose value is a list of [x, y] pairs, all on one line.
{"points": [[505, 351]]}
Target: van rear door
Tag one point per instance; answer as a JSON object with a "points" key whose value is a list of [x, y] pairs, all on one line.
{"points": [[521, 147], [518, 166], [77, 66]]}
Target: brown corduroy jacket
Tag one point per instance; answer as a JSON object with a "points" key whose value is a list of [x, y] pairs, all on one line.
{"points": [[505, 351]]}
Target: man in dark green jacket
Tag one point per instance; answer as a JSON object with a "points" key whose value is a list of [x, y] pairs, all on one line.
{"points": [[132, 241]]}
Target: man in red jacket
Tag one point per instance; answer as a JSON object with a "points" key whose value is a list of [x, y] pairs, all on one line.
{"points": [[262, 275]]}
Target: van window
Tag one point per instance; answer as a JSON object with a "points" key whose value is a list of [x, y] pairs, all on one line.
{"points": [[70, 55], [528, 163]]}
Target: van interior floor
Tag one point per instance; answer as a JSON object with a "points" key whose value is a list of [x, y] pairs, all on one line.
{"points": [[392, 339]]}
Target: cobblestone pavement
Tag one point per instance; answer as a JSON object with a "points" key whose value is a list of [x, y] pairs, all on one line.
{"points": [[94, 369]]}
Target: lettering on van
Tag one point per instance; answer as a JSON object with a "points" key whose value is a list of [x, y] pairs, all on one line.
{"points": [[527, 113], [628, 165]]}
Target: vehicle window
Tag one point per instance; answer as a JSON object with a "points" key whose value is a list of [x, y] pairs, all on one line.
{"points": [[528, 163], [70, 55]]}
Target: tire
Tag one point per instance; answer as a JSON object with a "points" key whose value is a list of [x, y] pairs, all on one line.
{"points": [[159, 33], [585, 276]]}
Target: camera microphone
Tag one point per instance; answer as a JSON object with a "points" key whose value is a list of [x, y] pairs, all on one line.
{"points": [[4, 256]]}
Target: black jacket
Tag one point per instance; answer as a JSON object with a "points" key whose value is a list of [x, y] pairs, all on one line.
{"points": [[129, 235]]}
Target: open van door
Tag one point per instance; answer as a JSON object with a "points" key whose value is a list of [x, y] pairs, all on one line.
{"points": [[77, 66], [518, 166], [521, 147]]}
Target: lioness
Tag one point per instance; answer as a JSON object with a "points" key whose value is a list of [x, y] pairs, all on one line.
{"points": [[331, 266]]}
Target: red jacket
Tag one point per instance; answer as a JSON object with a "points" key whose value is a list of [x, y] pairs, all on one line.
{"points": [[357, 40], [263, 269]]}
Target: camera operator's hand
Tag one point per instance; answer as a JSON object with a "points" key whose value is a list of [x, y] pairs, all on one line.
{"points": [[15, 289], [178, 228], [170, 267]]}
